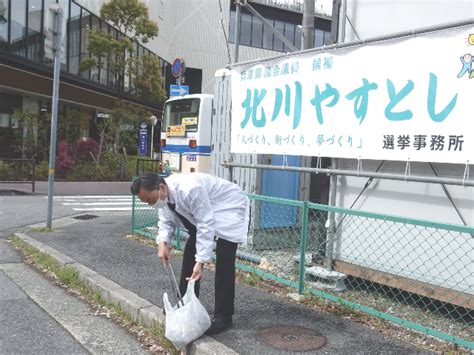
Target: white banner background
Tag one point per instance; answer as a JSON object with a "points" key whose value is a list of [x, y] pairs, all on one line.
{"points": [[341, 134]]}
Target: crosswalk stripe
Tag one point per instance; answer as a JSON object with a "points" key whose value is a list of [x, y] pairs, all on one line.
{"points": [[100, 202], [95, 203], [104, 209], [90, 196], [107, 200]]}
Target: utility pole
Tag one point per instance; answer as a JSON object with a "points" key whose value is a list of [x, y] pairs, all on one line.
{"points": [[238, 6], [308, 24], [56, 9]]}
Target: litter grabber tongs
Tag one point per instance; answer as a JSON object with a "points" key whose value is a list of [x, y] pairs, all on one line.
{"points": [[174, 284]]}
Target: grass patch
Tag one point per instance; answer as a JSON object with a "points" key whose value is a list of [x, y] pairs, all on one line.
{"points": [[41, 229], [249, 278], [68, 278], [159, 332], [149, 242]]}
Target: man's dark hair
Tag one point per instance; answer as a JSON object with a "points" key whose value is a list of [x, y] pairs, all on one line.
{"points": [[148, 181]]}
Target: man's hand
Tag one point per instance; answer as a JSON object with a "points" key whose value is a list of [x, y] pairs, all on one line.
{"points": [[164, 252], [197, 271]]}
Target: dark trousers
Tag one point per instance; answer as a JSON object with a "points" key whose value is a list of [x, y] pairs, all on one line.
{"points": [[224, 283]]}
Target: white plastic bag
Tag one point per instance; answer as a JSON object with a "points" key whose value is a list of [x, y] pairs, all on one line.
{"points": [[188, 322]]}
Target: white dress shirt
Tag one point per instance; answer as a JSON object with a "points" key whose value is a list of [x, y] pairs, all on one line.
{"points": [[215, 206]]}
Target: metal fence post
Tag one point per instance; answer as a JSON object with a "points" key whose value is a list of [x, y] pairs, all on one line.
{"points": [[33, 177], [178, 239], [304, 233], [331, 217], [133, 213]]}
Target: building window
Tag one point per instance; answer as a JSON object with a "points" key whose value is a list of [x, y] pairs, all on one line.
{"points": [[232, 27], [95, 26], [85, 32], [318, 37], [278, 43], [35, 37], [104, 60], [245, 29], [267, 37], [18, 27], [254, 33], [290, 35], [25, 34], [257, 32], [74, 38], [111, 74], [327, 38], [3, 23], [298, 36]]}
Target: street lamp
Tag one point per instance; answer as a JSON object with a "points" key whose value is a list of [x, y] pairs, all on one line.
{"points": [[154, 121]]}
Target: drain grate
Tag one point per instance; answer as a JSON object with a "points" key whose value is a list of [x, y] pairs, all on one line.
{"points": [[291, 338], [86, 216]]}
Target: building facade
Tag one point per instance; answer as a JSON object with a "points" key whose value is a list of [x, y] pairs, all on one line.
{"points": [[202, 33], [26, 69]]}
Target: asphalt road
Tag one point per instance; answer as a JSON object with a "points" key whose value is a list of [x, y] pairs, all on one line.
{"points": [[22, 210], [38, 317], [101, 244]]}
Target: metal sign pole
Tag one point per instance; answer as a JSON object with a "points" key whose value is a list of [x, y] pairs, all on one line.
{"points": [[154, 120], [58, 13], [151, 144]]}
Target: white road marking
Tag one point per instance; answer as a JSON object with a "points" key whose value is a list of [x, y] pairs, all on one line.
{"points": [[100, 203]]}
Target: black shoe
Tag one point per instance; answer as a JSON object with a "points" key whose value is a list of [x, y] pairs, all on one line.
{"points": [[219, 324]]}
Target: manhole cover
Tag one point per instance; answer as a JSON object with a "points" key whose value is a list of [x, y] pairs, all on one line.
{"points": [[291, 338], [86, 216]]}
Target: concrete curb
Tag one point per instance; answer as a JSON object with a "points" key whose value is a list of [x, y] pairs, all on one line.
{"points": [[137, 308]]}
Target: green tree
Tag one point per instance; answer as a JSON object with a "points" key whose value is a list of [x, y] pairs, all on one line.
{"points": [[68, 125], [147, 80], [120, 129], [131, 18], [32, 134], [3, 22], [124, 126]]}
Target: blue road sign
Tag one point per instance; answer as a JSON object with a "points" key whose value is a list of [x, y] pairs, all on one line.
{"points": [[179, 90], [143, 141], [178, 68]]}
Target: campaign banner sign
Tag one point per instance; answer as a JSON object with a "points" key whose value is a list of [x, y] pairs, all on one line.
{"points": [[407, 98]]}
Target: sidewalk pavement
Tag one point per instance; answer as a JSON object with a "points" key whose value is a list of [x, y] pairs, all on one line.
{"points": [[37, 317], [72, 188], [129, 273]]}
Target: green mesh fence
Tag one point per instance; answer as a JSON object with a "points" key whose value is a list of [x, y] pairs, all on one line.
{"points": [[415, 273]]}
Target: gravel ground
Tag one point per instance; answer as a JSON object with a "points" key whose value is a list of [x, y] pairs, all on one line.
{"points": [[283, 265]]}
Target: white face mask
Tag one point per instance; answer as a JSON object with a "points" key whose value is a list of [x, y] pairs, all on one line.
{"points": [[160, 203]]}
